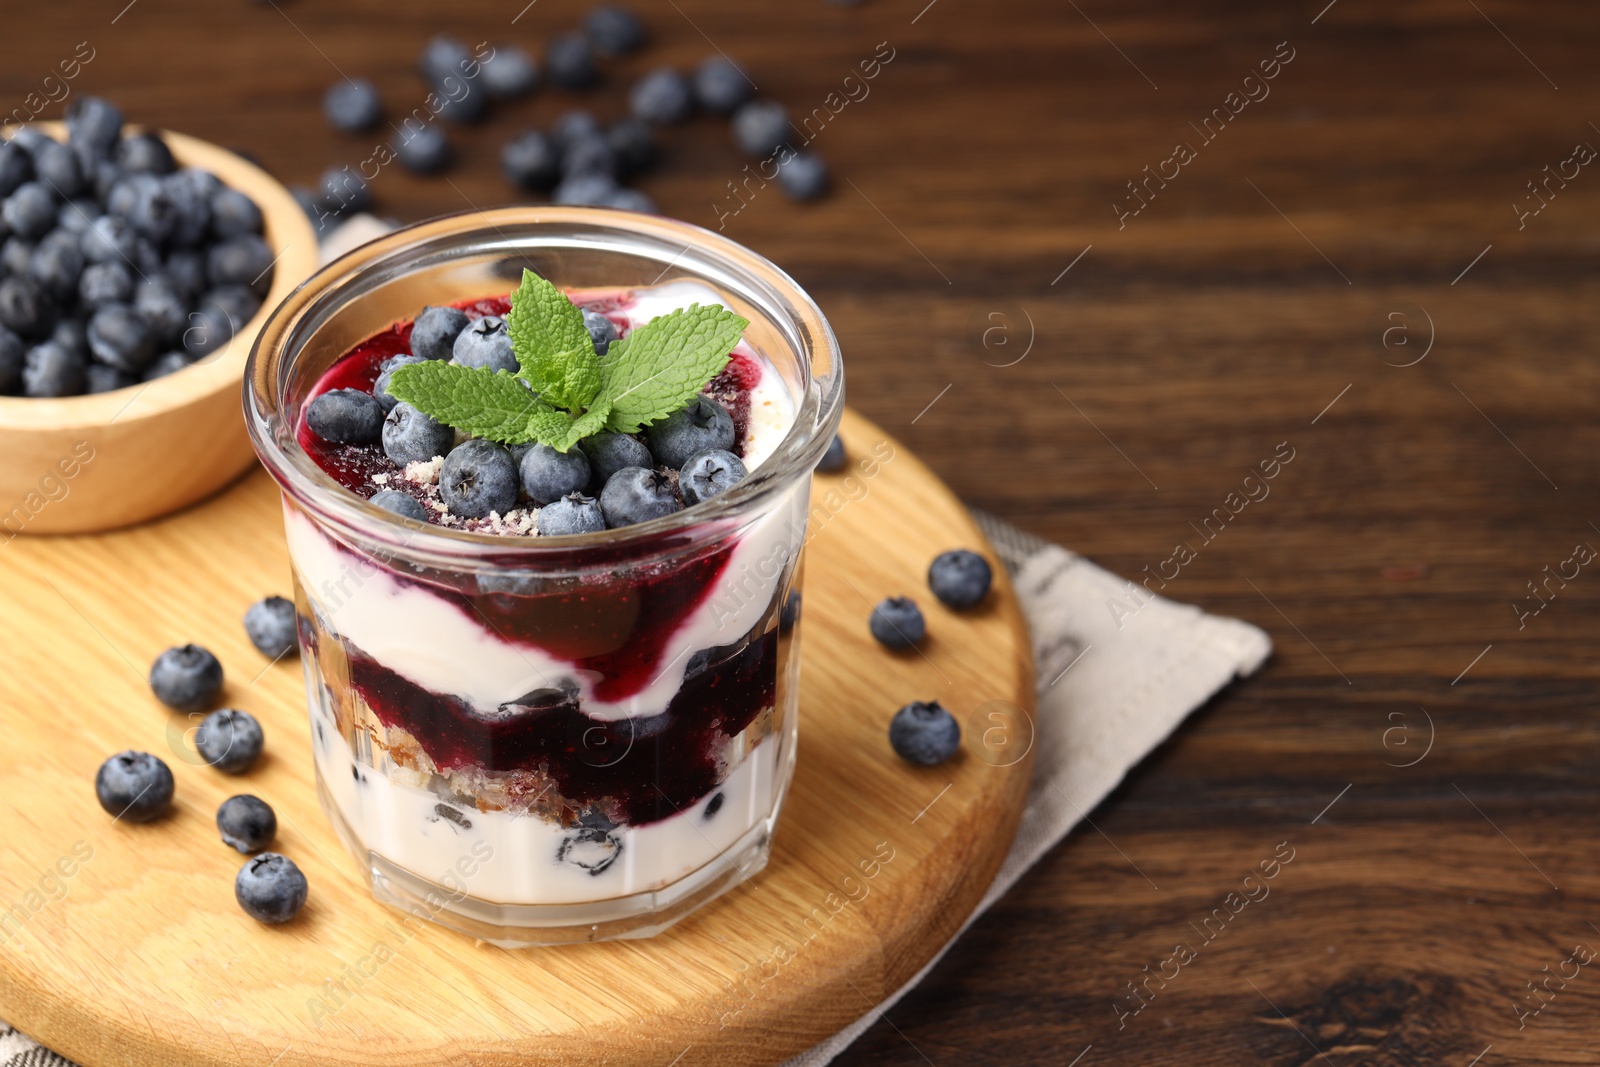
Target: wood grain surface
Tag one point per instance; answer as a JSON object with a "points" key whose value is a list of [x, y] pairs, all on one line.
{"points": [[1390, 162], [123, 943]]}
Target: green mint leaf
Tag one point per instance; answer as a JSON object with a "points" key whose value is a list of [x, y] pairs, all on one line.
{"points": [[559, 430], [475, 400], [590, 422], [554, 351], [661, 366]]}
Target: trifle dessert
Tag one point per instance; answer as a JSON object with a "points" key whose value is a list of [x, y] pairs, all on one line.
{"points": [[546, 543]]}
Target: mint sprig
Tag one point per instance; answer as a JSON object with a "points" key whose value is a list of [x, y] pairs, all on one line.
{"points": [[562, 391]]}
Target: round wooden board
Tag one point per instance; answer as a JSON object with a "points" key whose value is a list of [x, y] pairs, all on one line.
{"points": [[122, 944]]}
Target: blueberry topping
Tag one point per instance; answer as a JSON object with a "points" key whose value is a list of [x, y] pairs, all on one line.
{"points": [[142, 200], [614, 30], [99, 378], [760, 126], [833, 460], [709, 473], [56, 264], [602, 331], [230, 740], [720, 87], [57, 167], [637, 494], [247, 823], [433, 335], [485, 343], [120, 337], [897, 622], [105, 283], [422, 149], [346, 417], [702, 426], [586, 190], [272, 625], [234, 215], [509, 73], [352, 105], [924, 734], [592, 850], [479, 477], [572, 514], [610, 452], [960, 578], [803, 175], [52, 370], [270, 888], [386, 369], [632, 145], [134, 786], [409, 436], [570, 62], [142, 153], [530, 161], [243, 260], [397, 503], [186, 678], [548, 475], [662, 96]]}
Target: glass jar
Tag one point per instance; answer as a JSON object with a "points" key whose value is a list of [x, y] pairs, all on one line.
{"points": [[538, 740]]}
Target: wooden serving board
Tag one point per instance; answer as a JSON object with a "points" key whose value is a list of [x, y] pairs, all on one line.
{"points": [[122, 944]]}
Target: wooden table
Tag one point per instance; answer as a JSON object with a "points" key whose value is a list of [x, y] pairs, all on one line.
{"points": [[1382, 172]]}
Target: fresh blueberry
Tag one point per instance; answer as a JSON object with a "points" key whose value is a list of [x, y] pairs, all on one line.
{"points": [[602, 331], [530, 161], [208, 331], [585, 190], [146, 257], [57, 167], [803, 175], [397, 503], [571, 126], [270, 888], [897, 622], [247, 823], [548, 475], [460, 102], [16, 167], [143, 153], [142, 200], [120, 336], [166, 313], [241, 261], [230, 740], [237, 304], [134, 786], [706, 474], [187, 678], [924, 733], [346, 417], [110, 240], [422, 149], [185, 268], [409, 436], [57, 264], [508, 73], [30, 137], [632, 145], [70, 334], [485, 343], [702, 426], [53, 370], [16, 254], [104, 176], [478, 477], [572, 514], [760, 126], [662, 96], [26, 308], [443, 57], [610, 452], [342, 191], [569, 61], [190, 191], [30, 211], [13, 352], [614, 30], [436, 330], [164, 364], [632, 200], [76, 216], [834, 459], [105, 283], [637, 494], [352, 105], [960, 578], [94, 126], [386, 369], [233, 214], [590, 154], [99, 378], [720, 86], [272, 625]]}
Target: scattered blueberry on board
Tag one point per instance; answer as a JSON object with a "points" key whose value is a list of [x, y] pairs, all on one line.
{"points": [[924, 733], [272, 626], [352, 105], [135, 786], [247, 823], [230, 740], [960, 578], [897, 622], [186, 678], [270, 888]]}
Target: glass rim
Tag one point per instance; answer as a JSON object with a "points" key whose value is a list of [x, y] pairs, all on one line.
{"points": [[818, 407]]}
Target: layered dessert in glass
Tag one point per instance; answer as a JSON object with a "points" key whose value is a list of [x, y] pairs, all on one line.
{"points": [[541, 738]]}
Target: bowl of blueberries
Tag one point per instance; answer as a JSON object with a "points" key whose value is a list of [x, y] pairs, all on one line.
{"points": [[136, 267]]}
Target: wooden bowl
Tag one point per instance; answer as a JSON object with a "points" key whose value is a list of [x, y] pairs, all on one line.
{"points": [[85, 463]]}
